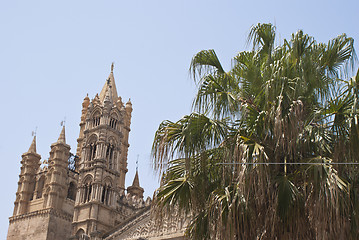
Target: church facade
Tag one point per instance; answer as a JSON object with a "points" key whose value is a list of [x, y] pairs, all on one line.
{"points": [[83, 195]]}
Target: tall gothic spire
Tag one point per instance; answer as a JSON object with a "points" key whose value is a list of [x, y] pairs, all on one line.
{"points": [[111, 86]]}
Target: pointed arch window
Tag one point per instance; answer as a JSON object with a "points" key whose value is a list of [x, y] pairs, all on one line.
{"points": [[86, 191], [80, 234], [113, 122], [96, 119]]}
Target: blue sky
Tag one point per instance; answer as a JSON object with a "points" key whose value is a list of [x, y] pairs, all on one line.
{"points": [[53, 53]]}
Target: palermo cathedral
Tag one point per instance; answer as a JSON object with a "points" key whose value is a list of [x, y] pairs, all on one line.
{"points": [[83, 196]]}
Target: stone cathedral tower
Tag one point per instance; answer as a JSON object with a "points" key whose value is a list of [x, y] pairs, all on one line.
{"points": [[80, 196], [102, 148]]}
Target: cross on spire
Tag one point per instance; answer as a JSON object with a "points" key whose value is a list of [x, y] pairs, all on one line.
{"points": [[109, 86], [137, 162], [33, 133], [63, 122]]}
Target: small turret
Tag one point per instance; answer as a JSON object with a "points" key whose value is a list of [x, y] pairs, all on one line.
{"points": [[119, 103], [30, 164], [129, 106], [86, 102], [128, 109], [96, 100], [57, 172], [135, 189]]}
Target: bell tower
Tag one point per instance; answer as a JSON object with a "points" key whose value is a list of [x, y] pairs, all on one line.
{"points": [[102, 150]]}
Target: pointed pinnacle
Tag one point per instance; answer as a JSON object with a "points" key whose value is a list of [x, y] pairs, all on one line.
{"points": [[32, 148], [62, 138], [129, 103], [110, 84], [136, 181]]}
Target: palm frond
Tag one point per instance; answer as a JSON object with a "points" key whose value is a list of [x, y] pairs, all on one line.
{"points": [[186, 137], [205, 60]]}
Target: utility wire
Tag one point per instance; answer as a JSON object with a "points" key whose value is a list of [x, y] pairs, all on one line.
{"points": [[295, 163]]}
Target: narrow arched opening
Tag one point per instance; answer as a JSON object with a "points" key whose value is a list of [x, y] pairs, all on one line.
{"points": [[40, 187], [71, 191], [32, 189], [92, 152], [110, 155]]}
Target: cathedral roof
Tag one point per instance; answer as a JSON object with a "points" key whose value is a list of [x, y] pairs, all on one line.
{"points": [[110, 84]]}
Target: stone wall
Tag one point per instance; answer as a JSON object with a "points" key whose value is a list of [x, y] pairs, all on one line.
{"points": [[42, 224], [59, 227], [31, 226]]}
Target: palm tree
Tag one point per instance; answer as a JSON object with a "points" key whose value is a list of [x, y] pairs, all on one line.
{"points": [[258, 157]]}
